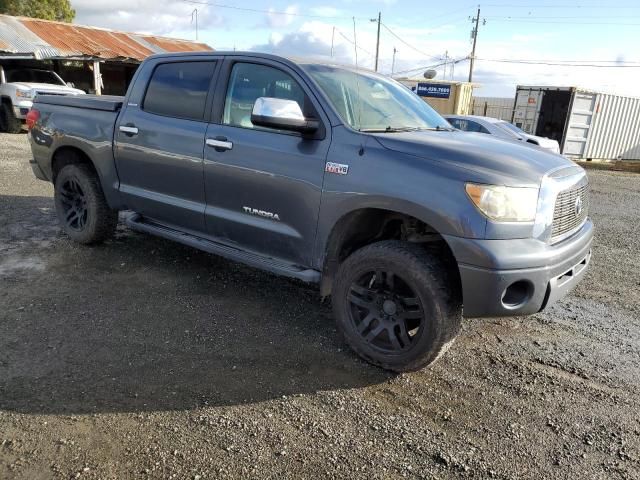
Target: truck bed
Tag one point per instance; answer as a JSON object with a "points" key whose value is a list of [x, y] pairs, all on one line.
{"points": [[107, 103]]}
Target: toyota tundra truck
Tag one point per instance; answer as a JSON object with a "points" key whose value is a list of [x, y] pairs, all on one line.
{"points": [[332, 175]]}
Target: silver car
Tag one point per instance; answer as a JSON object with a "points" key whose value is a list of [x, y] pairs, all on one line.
{"points": [[500, 128]]}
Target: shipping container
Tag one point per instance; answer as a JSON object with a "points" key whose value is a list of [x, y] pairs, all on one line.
{"points": [[588, 125], [495, 107], [446, 98]]}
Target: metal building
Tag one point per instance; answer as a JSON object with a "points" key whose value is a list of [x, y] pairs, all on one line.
{"points": [[97, 60], [587, 124], [496, 107]]}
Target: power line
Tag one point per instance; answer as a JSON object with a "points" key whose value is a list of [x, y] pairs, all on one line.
{"points": [[428, 55], [447, 14], [599, 5], [454, 62], [353, 43], [559, 61], [559, 64], [564, 22], [574, 17], [270, 12]]}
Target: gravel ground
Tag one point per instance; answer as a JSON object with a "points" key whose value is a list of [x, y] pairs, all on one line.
{"points": [[141, 358]]}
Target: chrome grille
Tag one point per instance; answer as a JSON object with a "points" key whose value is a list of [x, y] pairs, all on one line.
{"points": [[567, 217]]}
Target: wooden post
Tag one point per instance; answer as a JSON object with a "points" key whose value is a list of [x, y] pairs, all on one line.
{"points": [[97, 77]]}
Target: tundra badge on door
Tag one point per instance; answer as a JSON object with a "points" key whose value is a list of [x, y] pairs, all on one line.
{"points": [[261, 213]]}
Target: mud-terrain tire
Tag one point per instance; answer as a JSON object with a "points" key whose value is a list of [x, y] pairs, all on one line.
{"points": [[8, 121], [398, 304], [82, 210]]}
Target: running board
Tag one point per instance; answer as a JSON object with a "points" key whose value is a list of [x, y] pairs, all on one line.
{"points": [[279, 267]]}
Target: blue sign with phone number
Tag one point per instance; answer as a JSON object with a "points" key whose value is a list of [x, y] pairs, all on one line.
{"points": [[433, 90]]}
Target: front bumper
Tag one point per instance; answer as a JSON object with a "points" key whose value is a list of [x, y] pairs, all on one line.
{"points": [[521, 276]]}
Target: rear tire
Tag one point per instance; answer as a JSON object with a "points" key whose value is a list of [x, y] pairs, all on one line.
{"points": [[8, 121], [398, 304], [82, 210]]}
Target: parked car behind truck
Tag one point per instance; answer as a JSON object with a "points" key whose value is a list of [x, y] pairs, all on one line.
{"points": [[326, 174], [500, 128], [19, 86]]}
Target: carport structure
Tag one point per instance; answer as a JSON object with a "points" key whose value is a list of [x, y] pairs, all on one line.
{"points": [[95, 59]]}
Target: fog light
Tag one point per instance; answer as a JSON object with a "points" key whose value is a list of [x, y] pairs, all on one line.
{"points": [[517, 294]]}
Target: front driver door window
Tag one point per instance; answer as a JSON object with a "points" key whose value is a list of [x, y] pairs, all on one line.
{"points": [[249, 82]]}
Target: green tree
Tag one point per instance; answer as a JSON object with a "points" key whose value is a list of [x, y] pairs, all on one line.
{"points": [[47, 9]]}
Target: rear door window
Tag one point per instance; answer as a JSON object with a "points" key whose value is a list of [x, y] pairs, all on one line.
{"points": [[179, 89]]}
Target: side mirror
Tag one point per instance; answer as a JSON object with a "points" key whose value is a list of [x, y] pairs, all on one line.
{"points": [[71, 84], [281, 114]]}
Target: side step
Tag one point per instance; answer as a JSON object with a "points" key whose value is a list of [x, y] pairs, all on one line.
{"points": [[279, 267]]}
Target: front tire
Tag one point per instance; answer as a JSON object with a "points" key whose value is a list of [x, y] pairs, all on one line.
{"points": [[82, 210], [398, 304], [8, 121]]}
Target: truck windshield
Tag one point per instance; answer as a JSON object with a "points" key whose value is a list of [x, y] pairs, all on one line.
{"points": [[32, 75], [369, 102]]}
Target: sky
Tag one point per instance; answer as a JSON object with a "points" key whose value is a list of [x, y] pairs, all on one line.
{"points": [[563, 38]]}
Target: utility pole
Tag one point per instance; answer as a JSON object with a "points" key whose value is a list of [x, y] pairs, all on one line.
{"points": [[474, 35], [446, 60], [378, 40], [393, 62], [194, 14]]}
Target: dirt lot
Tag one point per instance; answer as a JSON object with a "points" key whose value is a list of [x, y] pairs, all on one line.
{"points": [[145, 359]]}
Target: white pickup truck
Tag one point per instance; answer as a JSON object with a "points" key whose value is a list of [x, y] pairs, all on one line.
{"points": [[19, 86]]}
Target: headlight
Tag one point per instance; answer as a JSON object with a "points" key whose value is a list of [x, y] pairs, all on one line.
{"points": [[24, 93], [504, 204]]}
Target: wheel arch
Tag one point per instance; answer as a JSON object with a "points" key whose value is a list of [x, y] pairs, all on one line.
{"points": [[66, 155], [365, 225]]}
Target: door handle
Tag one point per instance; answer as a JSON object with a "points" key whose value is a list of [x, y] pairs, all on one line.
{"points": [[219, 143], [129, 129]]}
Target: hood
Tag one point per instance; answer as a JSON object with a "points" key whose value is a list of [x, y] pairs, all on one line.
{"points": [[48, 87], [492, 160]]}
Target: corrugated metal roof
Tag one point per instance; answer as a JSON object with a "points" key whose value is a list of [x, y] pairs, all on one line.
{"points": [[175, 45], [17, 39], [47, 39]]}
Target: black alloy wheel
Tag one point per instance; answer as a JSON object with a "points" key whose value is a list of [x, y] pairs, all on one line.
{"points": [[385, 311], [398, 304], [74, 203]]}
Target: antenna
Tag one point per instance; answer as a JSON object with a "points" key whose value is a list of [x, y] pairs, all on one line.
{"points": [[355, 47], [333, 36], [355, 41]]}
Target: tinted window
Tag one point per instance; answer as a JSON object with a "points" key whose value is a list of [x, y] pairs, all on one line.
{"points": [[179, 89], [248, 82], [36, 76], [467, 125]]}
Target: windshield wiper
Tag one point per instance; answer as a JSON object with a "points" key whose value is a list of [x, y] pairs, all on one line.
{"points": [[389, 129], [438, 128]]}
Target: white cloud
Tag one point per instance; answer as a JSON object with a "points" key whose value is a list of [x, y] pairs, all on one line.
{"points": [[326, 11], [275, 19], [160, 17]]}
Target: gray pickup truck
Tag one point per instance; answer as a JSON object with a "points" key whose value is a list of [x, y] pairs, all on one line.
{"points": [[331, 175]]}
